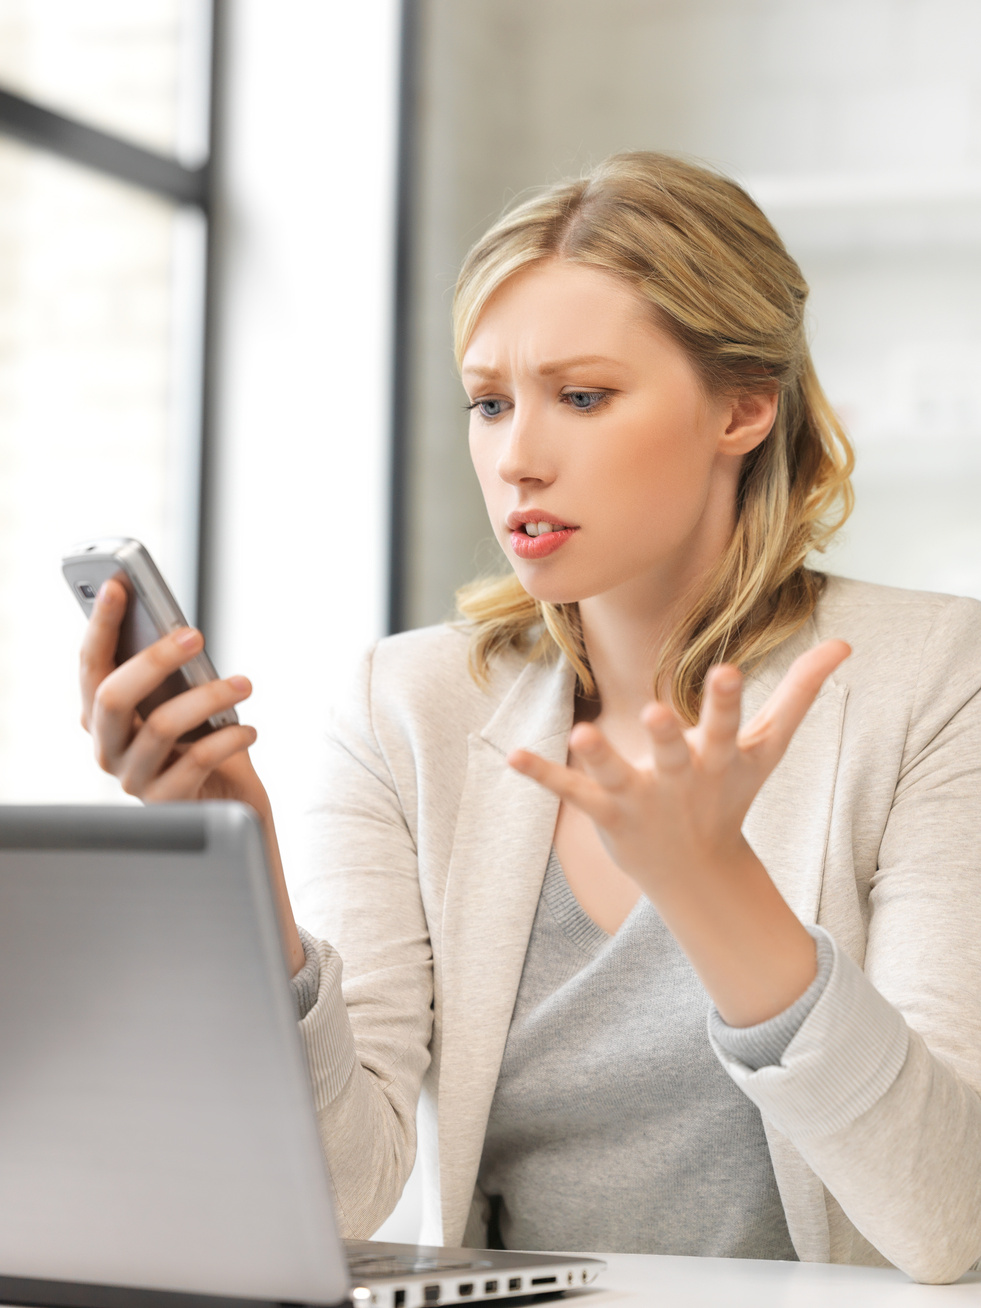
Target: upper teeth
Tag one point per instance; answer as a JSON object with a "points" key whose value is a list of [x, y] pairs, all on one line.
{"points": [[540, 528]]}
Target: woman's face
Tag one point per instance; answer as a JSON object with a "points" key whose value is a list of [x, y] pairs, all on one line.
{"points": [[587, 417]]}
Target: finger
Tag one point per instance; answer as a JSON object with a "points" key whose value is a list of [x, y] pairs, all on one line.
{"points": [[569, 785], [184, 779], [98, 653], [600, 760], [156, 739], [672, 757], [769, 733], [117, 695], [718, 724]]}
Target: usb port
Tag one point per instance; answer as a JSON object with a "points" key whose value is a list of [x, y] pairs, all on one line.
{"points": [[465, 1289], [431, 1294], [544, 1280], [490, 1287], [514, 1283], [399, 1300]]}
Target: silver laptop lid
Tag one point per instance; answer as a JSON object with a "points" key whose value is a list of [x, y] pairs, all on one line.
{"points": [[156, 1123]]}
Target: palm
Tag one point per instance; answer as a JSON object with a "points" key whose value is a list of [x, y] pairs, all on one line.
{"points": [[687, 807]]}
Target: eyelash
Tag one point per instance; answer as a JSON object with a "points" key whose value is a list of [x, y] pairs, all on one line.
{"points": [[601, 398]]}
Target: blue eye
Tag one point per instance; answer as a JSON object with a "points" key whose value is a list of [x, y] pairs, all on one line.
{"points": [[487, 408], [584, 401]]}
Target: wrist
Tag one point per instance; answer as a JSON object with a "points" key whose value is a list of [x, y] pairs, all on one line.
{"points": [[754, 957]]}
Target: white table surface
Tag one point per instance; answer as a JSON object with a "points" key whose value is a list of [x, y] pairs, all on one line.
{"points": [[661, 1281], [665, 1282]]}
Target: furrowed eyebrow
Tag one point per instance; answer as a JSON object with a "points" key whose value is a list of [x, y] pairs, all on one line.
{"points": [[579, 360], [548, 368]]}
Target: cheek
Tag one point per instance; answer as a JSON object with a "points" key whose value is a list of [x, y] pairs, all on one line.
{"points": [[485, 469], [479, 461], [658, 479]]}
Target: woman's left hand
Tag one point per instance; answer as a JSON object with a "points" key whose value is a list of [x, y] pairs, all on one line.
{"points": [[675, 825], [687, 807]]}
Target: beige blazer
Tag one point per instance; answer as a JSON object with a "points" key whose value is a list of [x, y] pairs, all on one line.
{"points": [[430, 854]]}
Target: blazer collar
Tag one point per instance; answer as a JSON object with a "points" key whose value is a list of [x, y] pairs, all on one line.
{"points": [[538, 707]]}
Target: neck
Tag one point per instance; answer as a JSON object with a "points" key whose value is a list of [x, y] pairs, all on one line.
{"points": [[623, 640], [624, 631]]}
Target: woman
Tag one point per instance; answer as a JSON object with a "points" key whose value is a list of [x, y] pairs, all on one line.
{"points": [[548, 848]]}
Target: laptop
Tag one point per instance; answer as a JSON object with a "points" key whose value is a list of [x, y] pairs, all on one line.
{"points": [[158, 1142]]}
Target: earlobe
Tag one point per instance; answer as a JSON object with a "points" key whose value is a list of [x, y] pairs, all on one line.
{"points": [[750, 422]]}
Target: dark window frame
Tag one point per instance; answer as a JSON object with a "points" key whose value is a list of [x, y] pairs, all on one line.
{"points": [[71, 138]]}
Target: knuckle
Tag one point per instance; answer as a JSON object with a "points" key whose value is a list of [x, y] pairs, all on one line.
{"points": [[162, 655], [105, 698], [201, 754], [155, 729]]}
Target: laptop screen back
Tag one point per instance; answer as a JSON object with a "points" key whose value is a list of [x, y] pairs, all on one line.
{"points": [[156, 1123]]}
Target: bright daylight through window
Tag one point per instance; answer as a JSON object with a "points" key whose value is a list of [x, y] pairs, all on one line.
{"points": [[100, 350]]}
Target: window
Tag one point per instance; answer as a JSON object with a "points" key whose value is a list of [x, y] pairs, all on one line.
{"points": [[103, 227]]}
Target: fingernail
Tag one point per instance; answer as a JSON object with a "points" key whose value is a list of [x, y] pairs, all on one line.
{"points": [[105, 595], [239, 683], [189, 638]]}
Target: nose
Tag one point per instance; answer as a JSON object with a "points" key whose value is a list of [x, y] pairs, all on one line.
{"points": [[523, 455]]}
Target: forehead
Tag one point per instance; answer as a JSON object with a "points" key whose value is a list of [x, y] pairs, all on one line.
{"points": [[558, 311]]}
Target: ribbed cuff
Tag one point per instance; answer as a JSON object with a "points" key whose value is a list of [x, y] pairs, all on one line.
{"points": [[763, 1045], [326, 1028], [844, 1057], [307, 981]]}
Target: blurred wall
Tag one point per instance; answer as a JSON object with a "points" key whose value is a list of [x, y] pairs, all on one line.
{"points": [[856, 123]]}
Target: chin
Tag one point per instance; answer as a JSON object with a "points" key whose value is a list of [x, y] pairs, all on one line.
{"points": [[553, 591]]}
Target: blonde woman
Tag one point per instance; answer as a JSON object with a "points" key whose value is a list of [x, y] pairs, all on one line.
{"points": [[654, 880]]}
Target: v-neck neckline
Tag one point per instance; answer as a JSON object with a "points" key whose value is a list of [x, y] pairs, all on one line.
{"points": [[570, 914]]}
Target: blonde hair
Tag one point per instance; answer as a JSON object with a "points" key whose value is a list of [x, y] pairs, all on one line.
{"points": [[718, 280]]}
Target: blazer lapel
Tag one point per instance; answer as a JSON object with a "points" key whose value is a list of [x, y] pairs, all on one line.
{"points": [[503, 835], [790, 819]]}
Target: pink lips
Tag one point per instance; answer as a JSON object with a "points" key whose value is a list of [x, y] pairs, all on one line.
{"points": [[540, 547]]}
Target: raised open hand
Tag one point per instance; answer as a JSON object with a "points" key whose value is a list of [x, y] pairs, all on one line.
{"points": [[687, 807], [675, 826]]}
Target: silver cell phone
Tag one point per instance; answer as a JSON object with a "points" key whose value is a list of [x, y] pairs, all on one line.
{"points": [[152, 612]]}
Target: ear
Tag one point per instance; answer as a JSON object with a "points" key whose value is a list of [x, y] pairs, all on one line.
{"points": [[751, 419]]}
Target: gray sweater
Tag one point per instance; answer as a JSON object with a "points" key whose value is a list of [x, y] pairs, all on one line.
{"points": [[608, 1072], [613, 1125]]}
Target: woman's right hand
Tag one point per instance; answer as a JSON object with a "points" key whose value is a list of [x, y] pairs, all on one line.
{"points": [[146, 756]]}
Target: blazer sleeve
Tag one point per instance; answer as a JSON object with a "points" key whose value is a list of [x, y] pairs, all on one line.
{"points": [[879, 1088], [367, 1035]]}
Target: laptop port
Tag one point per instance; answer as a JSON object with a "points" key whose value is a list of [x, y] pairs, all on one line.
{"points": [[399, 1300], [431, 1294], [544, 1280], [514, 1283], [490, 1287], [465, 1289]]}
